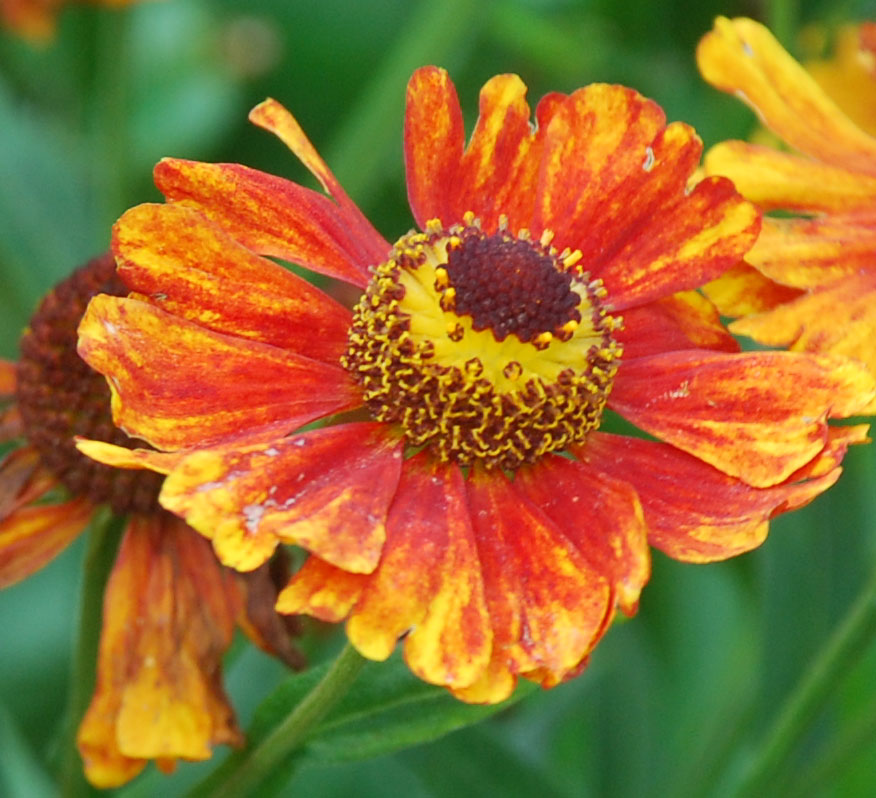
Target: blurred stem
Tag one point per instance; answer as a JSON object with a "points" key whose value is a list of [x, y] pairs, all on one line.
{"points": [[274, 751], [103, 541], [783, 18], [838, 656]]}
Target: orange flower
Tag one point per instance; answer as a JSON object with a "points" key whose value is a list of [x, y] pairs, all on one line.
{"points": [[460, 491], [169, 607], [819, 294], [35, 19]]}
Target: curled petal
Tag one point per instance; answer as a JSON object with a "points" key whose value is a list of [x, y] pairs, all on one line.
{"points": [[176, 384], [428, 582], [693, 511], [758, 416], [742, 57], [321, 590], [839, 319], [327, 490], [270, 215], [32, 536], [775, 179], [168, 618], [742, 290], [202, 274]]}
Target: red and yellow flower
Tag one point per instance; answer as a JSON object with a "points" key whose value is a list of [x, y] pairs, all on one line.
{"points": [[815, 288], [169, 608], [460, 489]]}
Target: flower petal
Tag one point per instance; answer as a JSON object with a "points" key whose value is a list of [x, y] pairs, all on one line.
{"points": [[122, 457], [428, 582], [177, 384], [321, 590], [758, 416], [742, 57], [839, 319], [190, 267], [23, 478], [600, 514], [775, 179], [682, 321], [742, 290], [168, 617], [694, 512], [327, 490], [8, 378], [271, 216], [433, 144], [547, 604], [32, 536]]}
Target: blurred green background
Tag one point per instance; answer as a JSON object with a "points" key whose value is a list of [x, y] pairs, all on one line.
{"points": [[675, 701]]}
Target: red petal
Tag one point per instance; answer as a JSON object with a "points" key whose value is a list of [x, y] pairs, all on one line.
{"points": [[8, 371], [176, 384], [168, 617], [433, 144], [191, 268], [428, 581], [327, 490], [321, 590], [271, 216], [600, 514], [758, 416]]}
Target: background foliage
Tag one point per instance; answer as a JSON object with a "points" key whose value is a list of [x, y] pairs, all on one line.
{"points": [[676, 700]]}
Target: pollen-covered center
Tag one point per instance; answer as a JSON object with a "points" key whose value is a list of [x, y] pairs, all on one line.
{"points": [[491, 349], [59, 396]]}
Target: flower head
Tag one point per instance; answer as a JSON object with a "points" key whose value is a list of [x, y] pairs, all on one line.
{"points": [[819, 294], [169, 606], [461, 490]]}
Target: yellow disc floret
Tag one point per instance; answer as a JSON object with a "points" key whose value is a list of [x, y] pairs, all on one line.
{"points": [[486, 348]]}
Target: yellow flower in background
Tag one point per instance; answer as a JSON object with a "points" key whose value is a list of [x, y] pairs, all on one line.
{"points": [[169, 608], [816, 287]]}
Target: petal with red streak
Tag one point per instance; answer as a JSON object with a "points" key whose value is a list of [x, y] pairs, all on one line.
{"points": [[599, 513], [693, 511], [433, 144], [547, 604], [741, 56], [681, 321], [32, 536], [758, 416], [839, 319], [23, 478], [742, 290], [321, 590], [327, 490], [190, 267], [775, 179], [428, 582], [176, 384], [271, 216], [169, 610]]}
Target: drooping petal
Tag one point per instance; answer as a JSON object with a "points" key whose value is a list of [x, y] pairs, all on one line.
{"points": [[758, 416], [321, 590], [327, 490], [599, 513], [176, 384], [169, 611], [693, 511], [32, 536], [547, 604], [839, 319], [775, 179], [270, 215], [274, 117], [806, 253], [428, 582], [433, 144], [742, 57], [681, 321], [23, 478], [190, 267], [742, 290]]}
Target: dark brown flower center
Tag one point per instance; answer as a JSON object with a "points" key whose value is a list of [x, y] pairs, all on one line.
{"points": [[59, 396]]}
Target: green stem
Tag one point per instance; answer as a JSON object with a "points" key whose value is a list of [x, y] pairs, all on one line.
{"points": [[272, 752], [782, 19], [833, 663], [103, 541]]}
